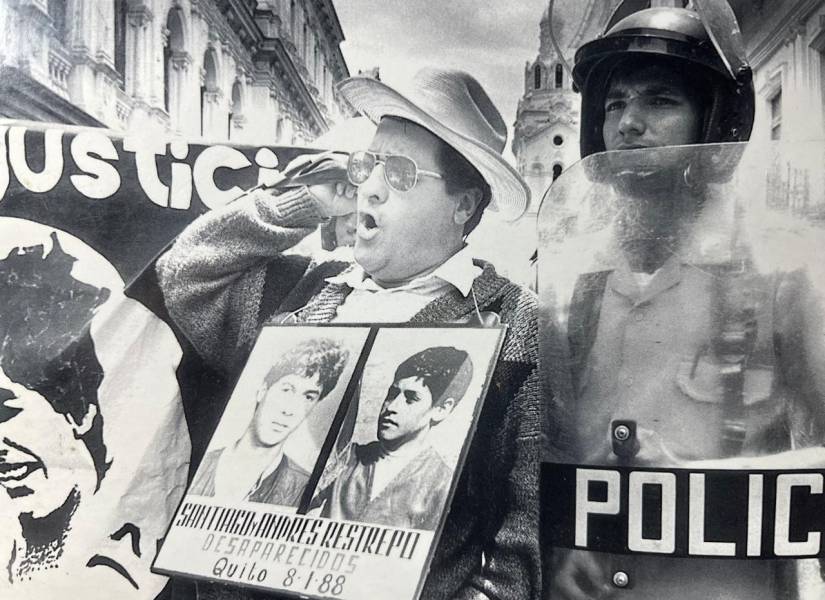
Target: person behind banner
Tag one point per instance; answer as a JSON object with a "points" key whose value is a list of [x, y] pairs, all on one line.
{"points": [[665, 313], [255, 467], [400, 480], [433, 167]]}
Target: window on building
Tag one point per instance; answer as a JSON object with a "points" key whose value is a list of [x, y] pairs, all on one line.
{"points": [[57, 13], [120, 41], [167, 69], [174, 43], [210, 86], [293, 21], [235, 108], [559, 76], [822, 82], [558, 140], [537, 77], [557, 169], [776, 115], [203, 107]]}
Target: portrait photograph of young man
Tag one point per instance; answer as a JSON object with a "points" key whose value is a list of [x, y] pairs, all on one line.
{"points": [[285, 402], [415, 410]]}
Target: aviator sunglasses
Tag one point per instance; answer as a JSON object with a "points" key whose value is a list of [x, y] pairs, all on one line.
{"points": [[400, 171]]}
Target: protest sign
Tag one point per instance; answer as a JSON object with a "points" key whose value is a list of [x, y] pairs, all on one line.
{"points": [[335, 460]]}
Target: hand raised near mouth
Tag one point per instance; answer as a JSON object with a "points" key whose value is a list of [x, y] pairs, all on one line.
{"points": [[336, 199]]}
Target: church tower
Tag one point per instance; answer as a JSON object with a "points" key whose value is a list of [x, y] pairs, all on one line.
{"points": [[546, 138]]}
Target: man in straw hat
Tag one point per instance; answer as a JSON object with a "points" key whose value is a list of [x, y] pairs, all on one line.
{"points": [[432, 168]]}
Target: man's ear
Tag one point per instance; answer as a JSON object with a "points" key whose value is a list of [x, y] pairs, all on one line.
{"points": [[82, 428], [442, 411], [467, 205]]}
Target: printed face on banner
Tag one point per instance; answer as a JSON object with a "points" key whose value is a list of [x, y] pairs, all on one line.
{"points": [[44, 463], [73, 467], [405, 412], [52, 454]]}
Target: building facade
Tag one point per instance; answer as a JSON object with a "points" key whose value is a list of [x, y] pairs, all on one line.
{"points": [[546, 136], [785, 42], [258, 72]]}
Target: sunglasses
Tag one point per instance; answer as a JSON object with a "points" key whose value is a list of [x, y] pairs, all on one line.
{"points": [[400, 171]]}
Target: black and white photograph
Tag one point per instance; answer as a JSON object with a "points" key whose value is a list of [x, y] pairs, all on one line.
{"points": [[381, 460], [415, 409], [629, 193], [279, 415]]}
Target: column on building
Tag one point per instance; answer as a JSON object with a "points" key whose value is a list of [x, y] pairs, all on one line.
{"points": [[140, 59], [26, 29], [236, 120], [84, 43], [211, 97], [177, 67], [261, 104]]}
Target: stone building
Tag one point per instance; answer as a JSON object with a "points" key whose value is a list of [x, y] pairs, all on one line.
{"points": [[244, 70], [546, 137], [785, 42]]}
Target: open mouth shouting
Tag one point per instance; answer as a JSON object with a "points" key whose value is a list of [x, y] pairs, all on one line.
{"points": [[367, 226]]}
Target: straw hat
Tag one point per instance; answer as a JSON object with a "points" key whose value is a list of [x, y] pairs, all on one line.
{"points": [[453, 106]]}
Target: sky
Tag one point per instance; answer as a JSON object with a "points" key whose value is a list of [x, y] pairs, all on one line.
{"points": [[492, 39]]}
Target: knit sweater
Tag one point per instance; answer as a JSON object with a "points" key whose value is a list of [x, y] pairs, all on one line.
{"points": [[227, 272]]}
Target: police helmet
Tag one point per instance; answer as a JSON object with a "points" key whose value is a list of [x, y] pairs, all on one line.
{"points": [[682, 37]]}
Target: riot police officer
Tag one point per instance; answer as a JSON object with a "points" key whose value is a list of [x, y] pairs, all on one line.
{"points": [[676, 321]]}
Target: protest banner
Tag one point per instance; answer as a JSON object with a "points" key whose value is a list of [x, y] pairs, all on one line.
{"points": [[125, 197], [94, 441], [335, 460]]}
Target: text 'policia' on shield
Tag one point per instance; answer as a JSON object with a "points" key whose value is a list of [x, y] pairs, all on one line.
{"points": [[685, 513]]}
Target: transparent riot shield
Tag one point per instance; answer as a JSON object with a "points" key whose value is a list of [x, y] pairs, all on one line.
{"points": [[682, 336]]}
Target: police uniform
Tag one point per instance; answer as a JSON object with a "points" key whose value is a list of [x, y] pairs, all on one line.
{"points": [[648, 358], [655, 349]]}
